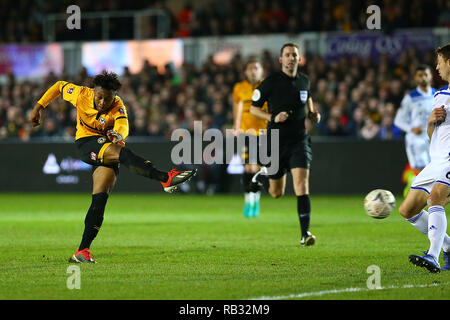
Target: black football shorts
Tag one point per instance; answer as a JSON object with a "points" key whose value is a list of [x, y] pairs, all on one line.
{"points": [[293, 155], [91, 149]]}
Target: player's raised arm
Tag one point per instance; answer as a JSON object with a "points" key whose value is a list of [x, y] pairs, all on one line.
{"points": [[68, 91], [35, 117], [51, 94]]}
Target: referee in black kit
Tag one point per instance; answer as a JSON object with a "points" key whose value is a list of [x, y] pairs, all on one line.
{"points": [[289, 101]]}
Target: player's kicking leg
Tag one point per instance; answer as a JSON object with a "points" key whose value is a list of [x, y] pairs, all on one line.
{"points": [[138, 165], [176, 178], [104, 179], [437, 226], [413, 210]]}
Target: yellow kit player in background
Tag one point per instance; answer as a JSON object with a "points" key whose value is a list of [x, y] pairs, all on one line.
{"points": [[247, 124], [102, 127]]}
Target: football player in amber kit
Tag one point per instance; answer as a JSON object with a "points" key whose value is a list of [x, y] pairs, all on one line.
{"points": [[102, 128]]}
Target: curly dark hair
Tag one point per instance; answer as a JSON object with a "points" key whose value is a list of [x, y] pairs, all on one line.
{"points": [[107, 80]]}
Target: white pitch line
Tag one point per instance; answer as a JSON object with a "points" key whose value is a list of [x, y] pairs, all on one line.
{"points": [[334, 291]]}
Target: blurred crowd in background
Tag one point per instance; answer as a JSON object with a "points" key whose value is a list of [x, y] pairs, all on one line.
{"points": [[357, 97], [21, 21]]}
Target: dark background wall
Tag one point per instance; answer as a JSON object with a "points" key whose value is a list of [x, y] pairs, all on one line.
{"points": [[338, 167]]}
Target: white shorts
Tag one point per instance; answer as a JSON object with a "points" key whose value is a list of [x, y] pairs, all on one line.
{"points": [[434, 172], [417, 151]]}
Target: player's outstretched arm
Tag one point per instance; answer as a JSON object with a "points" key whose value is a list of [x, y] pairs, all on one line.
{"points": [[35, 117], [51, 94]]}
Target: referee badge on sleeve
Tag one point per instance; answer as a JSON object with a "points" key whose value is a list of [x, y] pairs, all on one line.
{"points": [[256, 95], [303, 96]]}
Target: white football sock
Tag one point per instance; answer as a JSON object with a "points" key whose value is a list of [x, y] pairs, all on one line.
{"points": [[437, 227], [420, 222], [251, 198], [247, 197], [257, 196]]}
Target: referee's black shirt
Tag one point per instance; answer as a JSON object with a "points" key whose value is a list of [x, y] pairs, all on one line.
{"points": [[289, 94]]}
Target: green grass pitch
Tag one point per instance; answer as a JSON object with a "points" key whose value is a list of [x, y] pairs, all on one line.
{"points": [[163, 246]]}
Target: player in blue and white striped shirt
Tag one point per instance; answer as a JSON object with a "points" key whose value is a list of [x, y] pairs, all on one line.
{"points": [[412, 118]]}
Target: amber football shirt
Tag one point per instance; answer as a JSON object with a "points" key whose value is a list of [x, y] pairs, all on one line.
{"points": [[243, 91], [89, 121]]}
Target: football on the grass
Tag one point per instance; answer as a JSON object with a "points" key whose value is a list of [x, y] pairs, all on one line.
{"points": [[379, 203]]}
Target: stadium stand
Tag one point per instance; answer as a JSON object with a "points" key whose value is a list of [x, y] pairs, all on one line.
{"points": [[21, 21], [358, 98]]}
